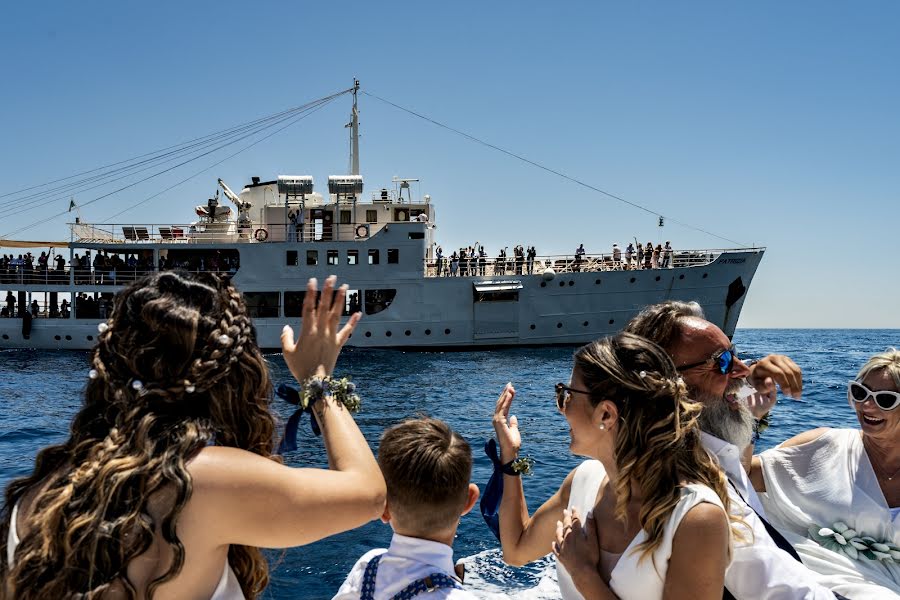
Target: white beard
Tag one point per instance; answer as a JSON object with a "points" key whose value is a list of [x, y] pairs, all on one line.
{"points": [[718, 418]]}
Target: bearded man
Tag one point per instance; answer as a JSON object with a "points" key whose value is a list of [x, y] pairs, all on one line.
{"points": [[765, 565]]}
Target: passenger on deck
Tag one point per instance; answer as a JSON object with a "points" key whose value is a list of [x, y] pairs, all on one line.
{"points": [[629, 254], [667, 256], [764, 566], [439, 260], [35, 308], [64, 309], [168, 485], [649, 511], [835, 493], [579, 257], [648, 255], [616, 256], [531, 254], [427, 467], [10, 304]]}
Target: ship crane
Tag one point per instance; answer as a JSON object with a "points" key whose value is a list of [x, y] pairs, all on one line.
{"points": [[244, 221]]}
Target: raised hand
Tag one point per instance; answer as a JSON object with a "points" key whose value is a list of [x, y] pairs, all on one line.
{"points": [[777, 369], [576, 545], [321, 337], [507, 427]]}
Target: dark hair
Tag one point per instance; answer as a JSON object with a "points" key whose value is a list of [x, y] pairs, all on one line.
{"points": [[427, 468], [175, 368], [657, 439], [661, 323]]}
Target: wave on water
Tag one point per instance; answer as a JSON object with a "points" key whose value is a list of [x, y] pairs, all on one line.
{"points": [[489, 578]]}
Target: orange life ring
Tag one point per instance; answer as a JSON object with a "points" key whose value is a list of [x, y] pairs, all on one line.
{"points": [[261, 235], [362, 231]]}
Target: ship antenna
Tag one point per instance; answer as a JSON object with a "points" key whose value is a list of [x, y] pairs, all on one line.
{"points": [[354, 133]]}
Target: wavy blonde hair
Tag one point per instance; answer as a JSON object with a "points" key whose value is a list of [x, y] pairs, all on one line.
{"points": [[657, 445], [889, 360], [190, 342]]}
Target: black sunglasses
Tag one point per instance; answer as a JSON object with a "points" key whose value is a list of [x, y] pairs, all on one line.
{"points": [[885, 400], [562, 395], [724, 360]]}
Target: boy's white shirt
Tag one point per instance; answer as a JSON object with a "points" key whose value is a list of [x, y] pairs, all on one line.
{"points": [[407, 560]]}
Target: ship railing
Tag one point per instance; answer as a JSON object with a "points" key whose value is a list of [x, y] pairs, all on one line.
{"points": [[591, 263], [153, 233], [92, 275]]}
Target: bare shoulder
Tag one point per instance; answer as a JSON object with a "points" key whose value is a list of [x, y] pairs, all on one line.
{"points": [[703, 523], [805, 437]]}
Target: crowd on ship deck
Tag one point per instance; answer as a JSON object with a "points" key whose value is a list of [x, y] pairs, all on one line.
{"points": [[474, 260], [671, 500]]}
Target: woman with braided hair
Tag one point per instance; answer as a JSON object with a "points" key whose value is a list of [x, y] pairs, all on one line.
{"points": [[647, 516], [167, 486]]}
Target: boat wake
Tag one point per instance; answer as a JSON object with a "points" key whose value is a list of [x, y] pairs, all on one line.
{"points": [[488, 577]]}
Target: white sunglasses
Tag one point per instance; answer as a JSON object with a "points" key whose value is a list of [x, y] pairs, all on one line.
{"points": [[885, 400]]}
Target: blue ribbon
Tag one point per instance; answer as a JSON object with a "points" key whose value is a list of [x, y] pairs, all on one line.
{"points": [[291, 395], [493, 491]]}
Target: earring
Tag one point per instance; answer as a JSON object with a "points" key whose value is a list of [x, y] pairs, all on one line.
{"points": [[601, 426]]}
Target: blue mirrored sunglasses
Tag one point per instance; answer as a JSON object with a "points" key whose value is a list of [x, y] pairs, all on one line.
{"points": [[723, 359]]}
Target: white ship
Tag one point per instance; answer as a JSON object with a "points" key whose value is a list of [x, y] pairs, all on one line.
{"points": [[282, 231]]}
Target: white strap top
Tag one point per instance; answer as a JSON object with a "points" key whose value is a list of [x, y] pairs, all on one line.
{"points": [[228, 588]]}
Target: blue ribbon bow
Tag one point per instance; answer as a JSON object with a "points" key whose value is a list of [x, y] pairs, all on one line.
{"points": [[291, 395], [493, 491]]}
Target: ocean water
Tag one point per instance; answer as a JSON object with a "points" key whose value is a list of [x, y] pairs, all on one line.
{"points": [[40, 391]]}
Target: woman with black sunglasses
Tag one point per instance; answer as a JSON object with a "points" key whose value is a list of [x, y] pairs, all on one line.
{"points": [[835, 493], [628, 522]]}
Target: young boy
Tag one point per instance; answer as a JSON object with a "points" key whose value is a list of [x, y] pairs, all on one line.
{"points": [[427, 467]]}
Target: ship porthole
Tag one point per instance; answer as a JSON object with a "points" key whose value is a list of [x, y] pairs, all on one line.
{"points": [[597, 282], [407, 332], [633, 280], [611, 321], [571, 283], [585, 323], [6, 337], [427, 332], [562, 284], [69, 338], [387, 333], [446, 332], [532, 326], [657, 277], [368, 334], [543, 284], [559, 325], [705, 275], [90, 338], [55, 337], [681, 276]]}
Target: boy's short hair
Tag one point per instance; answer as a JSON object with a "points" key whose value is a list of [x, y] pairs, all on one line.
{"points": [[427, 467]]}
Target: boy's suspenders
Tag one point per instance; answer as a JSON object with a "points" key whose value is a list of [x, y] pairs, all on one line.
{"points": [[433, 582]]}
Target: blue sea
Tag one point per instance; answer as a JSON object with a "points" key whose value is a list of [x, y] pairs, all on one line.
{"points": [[41, 391]]}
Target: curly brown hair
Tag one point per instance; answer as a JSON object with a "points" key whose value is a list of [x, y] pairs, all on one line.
{"points": [[177, 368], [657, 445]]}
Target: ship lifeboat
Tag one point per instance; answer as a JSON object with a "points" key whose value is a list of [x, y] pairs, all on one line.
{"points": [[223, 213]]}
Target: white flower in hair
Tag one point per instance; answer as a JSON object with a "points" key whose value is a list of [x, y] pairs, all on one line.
{"points": [[224, 340], [137, 384], [103, 327], [642, 374], [92, 374]]}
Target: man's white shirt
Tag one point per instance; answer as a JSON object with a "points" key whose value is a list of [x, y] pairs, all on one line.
{"points": [[407, 560], [759, 569]]}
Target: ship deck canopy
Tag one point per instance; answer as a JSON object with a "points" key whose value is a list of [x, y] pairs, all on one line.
{"points": [[497, 286]]}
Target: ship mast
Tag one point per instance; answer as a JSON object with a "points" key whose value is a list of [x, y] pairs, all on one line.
{"points": [[354, 133]]}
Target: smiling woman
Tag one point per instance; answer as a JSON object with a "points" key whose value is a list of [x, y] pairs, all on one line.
{"points": [[835, 493]]}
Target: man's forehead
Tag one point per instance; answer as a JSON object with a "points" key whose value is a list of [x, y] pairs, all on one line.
{"points": [[698, 337]]}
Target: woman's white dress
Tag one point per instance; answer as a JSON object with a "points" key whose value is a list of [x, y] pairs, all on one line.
{"points": [[631, 578], [830, 483]]}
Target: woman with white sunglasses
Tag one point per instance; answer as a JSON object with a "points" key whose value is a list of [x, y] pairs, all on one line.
{"points": [[835, 493]]}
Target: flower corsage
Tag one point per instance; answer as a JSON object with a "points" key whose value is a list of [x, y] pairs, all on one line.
{"points": [[842, 539], [311, 390]]}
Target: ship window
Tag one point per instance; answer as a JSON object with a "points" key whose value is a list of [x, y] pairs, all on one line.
{"points": [[393, 256], [293, 304], [312, 257], [291, 258], [506, 296], [261, 305], [345, 217], [378, 300], [352, 257], [371, 216], [332, 257], [417, 235], [373, 256], [351, 303]]}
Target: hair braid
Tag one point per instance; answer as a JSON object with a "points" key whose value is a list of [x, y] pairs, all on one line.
{"points": [[90, 497]]}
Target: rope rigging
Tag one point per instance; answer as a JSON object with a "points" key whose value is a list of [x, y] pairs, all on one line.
{"points": [[547, 169], [195, 149]]}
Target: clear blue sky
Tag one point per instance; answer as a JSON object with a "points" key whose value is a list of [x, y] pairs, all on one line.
{"points": [[769, 122]]}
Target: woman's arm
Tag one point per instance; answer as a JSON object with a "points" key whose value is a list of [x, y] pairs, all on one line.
{"points": [[244, 498], [756, 474], [699, 558], [577, 547], [523, 538]]}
